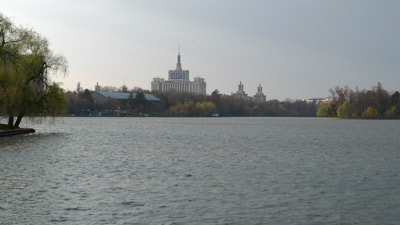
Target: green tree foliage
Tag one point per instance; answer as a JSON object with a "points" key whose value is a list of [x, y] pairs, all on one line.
{"points": [[256, 111], [347, 110], [79, 103], [140, 99], [332, 110], [369, 113], [326, 110], [140, 102], [282, 110], [395, 100], [323, 109], [130, 102], [25, 65]]}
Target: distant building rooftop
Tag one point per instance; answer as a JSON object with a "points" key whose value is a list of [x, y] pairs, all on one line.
{"points": [[100, 97]]}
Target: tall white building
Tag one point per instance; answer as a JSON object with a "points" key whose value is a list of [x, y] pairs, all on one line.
{"points": [[240, 94], [259, 96], [178, 80]]}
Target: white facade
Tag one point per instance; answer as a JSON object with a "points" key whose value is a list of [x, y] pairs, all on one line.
{"points": [[178, 80]]}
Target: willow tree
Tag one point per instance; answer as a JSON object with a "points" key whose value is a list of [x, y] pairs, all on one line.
{"points": [[26, 62], [10, 48], [347, 110]]}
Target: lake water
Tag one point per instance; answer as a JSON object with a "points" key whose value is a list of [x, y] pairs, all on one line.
{"points": [[202, 171]]}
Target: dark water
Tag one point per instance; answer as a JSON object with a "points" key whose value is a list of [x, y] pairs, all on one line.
{"points": [[202, 171]]}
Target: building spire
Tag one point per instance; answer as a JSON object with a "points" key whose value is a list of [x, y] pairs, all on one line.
{"points": [[178, 65]]}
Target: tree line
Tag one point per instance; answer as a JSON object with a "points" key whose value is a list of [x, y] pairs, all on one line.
{"points": [[374, 103], [26, 62], [345, 103], [185, 104]]}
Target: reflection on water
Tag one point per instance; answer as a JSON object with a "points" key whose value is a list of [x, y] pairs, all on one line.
{"points": [[202, 171]]}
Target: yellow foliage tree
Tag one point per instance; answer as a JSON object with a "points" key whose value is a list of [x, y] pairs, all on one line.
{"points": [[190, 108], [369, 113], [392, 112]]}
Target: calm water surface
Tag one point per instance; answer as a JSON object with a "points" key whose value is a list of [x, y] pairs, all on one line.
{"points": [[202, 171]]}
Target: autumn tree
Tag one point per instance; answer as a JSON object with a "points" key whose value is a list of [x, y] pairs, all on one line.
{"points": [[205, 108]]}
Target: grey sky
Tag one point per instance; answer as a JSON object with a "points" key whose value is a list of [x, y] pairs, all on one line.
{"points": [[295, 49]]}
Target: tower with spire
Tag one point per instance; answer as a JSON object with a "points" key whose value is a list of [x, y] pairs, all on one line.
{"points": [[178, 73], [178, 64]]}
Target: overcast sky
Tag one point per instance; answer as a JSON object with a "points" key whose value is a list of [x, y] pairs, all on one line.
{"points": [[294, 49]]}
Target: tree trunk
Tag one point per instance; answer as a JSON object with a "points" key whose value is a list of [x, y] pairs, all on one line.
{"points": [[11, 122], [19, 118]]}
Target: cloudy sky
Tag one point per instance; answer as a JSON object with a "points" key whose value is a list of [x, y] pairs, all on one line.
{"points": [[294, 49]]}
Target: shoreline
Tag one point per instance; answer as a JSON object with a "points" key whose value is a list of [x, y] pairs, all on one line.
{"points": [[19, 131], [360, 118]]}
